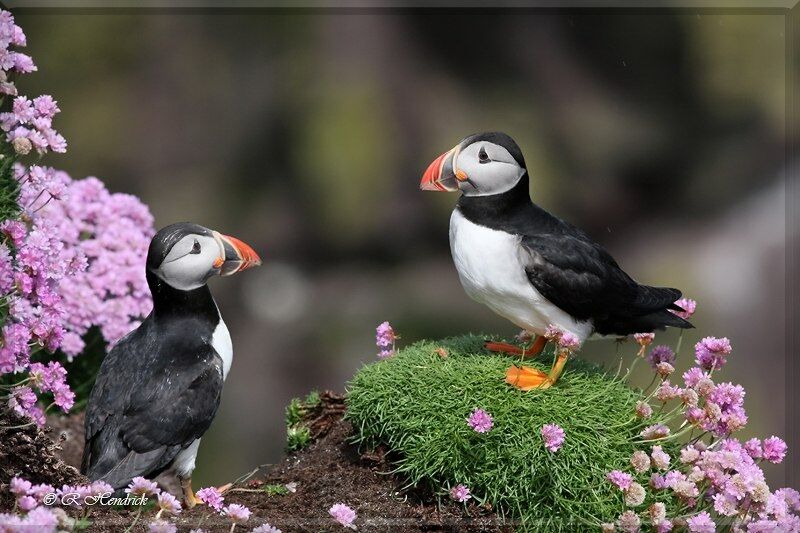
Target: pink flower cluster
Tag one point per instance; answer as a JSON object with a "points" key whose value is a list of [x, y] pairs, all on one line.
{"points": [[385, 339], [36, 515], [564, 339], [29, 125], [70, 264], [460, 493], [721, 476], [12, 61]]}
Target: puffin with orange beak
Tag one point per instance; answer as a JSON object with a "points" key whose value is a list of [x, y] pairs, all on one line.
{"points": [[159, 388], [533, 268]]}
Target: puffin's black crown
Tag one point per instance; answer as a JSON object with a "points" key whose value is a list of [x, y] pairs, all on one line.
{"points": [[165, 239], [499, 138]]}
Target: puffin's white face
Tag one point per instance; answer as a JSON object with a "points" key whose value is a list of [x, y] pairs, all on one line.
{"points": [[191, 261], [480, 165], [484, 168]]}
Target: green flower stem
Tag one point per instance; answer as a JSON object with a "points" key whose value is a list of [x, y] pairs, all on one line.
{"points": [[135, 519]]}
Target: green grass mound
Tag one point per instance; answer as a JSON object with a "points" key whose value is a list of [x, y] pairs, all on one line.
{"points": [[417, 404]]}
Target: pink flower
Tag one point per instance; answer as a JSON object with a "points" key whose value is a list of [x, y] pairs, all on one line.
{"points": [[644, 339], [385, 339], [621, 479], [161, 526], [553, 436], [660, 458], [460, 493], [169, 503], [140, 486], [753, 448], [656, 431], [237, 513], [480, 421], [343, 514], [774, 449], [19, 486], [660, 354], [569, 341], [211, 497], [688, 305], [643, 410], [712, 353], [701, 523], [266, 528]]}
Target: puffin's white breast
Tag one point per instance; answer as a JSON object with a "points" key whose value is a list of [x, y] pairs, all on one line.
{"points": [[221, 341], [490, 267]]}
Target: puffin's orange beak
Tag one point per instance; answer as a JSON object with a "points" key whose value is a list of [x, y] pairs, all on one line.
{"points": [[239, 256], [439, 176]]}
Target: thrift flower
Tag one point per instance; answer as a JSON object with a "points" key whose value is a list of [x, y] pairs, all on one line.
{"points": [[640, 461], [266, 528], [643, 410], [480, 421], [712, 353], [553, 436], [660, 458], [634, 495], [620, 479], [688, 307], [169, 503], [701, 523], [629, 521], [774, 449], [660, 354], [656, 431], [161, 526], [460, 493], [568, 341], [237, 513], [343, 514], [753, 448], [211, 497], [140, 486], [385, 338]]}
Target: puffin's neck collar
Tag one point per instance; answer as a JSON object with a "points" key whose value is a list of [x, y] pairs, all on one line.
{"points": [[171, 302], [481, 208]]}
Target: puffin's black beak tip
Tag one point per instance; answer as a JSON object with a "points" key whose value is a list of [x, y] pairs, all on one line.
{"points": [[239, 256]]}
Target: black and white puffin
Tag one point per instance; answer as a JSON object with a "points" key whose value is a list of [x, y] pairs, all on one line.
{"points": [[531, 267], [158, 389]]}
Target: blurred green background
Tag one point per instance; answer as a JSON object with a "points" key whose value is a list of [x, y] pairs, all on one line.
{"points": [[305, 134]]}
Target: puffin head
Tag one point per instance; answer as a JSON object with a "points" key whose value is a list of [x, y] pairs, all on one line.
{"points": [[482, 164], [186, 255]]}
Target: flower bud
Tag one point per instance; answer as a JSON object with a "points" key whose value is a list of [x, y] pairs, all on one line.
{"points": [[22, 145]]}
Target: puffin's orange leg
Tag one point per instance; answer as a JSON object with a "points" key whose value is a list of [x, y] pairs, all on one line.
{"points": [[189, 498], [503, 347]]}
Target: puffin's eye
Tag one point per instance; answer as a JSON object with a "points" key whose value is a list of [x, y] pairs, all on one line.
{"points": [[195, 248], [483, 157]]}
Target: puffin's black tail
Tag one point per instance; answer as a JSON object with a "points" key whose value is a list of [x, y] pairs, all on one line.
{"points": [[649, 311]]}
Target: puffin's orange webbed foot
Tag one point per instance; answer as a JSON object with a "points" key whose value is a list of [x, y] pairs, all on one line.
{"points": [[527, 378]]}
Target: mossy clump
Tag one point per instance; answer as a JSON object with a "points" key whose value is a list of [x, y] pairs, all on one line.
{"points": [[417, 403]]}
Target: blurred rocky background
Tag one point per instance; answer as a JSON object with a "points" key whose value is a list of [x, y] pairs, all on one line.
{"points": [[305, 134]]}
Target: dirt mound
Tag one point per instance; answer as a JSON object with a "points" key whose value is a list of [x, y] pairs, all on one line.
{"points": [[28, 452]]}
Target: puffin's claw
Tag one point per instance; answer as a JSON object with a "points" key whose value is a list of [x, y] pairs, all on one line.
{"points": [[189, 498]]}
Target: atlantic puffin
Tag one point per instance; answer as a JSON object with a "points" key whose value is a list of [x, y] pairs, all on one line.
{"points": [[159, 387], [531, 267]]}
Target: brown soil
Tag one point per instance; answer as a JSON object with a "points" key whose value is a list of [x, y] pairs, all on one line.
{"points": [[329, 471]]}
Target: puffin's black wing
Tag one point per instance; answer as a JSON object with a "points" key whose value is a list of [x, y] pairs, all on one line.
{"points": [[147, 406], [581, 278]]}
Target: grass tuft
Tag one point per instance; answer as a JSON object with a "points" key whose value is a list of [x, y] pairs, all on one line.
{"points": [[417, 403]]}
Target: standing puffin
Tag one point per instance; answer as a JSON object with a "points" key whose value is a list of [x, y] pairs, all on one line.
{"points": [[531, 267], [158, 389]]}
